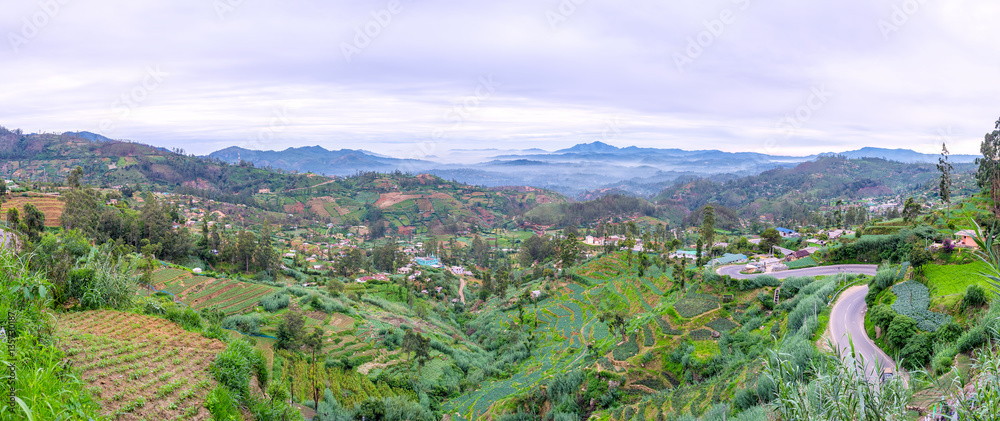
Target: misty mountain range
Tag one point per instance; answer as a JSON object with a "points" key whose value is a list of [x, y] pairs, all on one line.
{"points": [[578, 171]]}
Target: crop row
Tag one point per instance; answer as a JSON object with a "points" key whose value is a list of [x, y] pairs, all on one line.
{"points": [[912, 300], [691, 307]]}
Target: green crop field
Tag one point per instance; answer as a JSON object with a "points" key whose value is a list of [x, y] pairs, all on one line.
{"points": [[804, 262], [722, 325], [912, 300], [694, 304], [953, 279]]}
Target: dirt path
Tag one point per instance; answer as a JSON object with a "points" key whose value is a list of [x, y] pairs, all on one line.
{"points": [[461, 289], [320, 184]]}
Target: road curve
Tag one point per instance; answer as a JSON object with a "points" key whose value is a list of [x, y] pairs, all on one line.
{"points": [[734, 271], [847, 324], [847, 319]]}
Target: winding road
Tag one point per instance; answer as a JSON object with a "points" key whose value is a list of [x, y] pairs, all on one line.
{"points": [[847, 324], [847, 319], [734, 271]]}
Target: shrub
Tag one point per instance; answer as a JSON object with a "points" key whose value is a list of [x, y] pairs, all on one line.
{"points": [[187, 318], [942, 360], [971, 339], [881, 316], [234, 366], [918, 351], [975, 296], [222, 405], [792, 285], [243, 323], [275, 301], [949, 333], [112, 282], [883, 279], [900, 331], [760, 282]]}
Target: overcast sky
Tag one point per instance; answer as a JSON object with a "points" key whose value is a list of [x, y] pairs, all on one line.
{"points": [[417, 78]]}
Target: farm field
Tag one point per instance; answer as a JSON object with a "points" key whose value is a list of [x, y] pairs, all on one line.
{"points": [[953, 279], [201, 292], [568, 325], [805, 262], [912, 299], [51, 206], [140, 367]]}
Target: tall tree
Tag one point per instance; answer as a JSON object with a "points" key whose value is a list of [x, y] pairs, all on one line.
{"points": [[945, 187], [708, 226], [569, 251], [315, 344], [291, 329], [74, 177], [988, 175], [769, 238], [838, 213], [911, 210], [698, 248], [13, 218], [34, 222]]}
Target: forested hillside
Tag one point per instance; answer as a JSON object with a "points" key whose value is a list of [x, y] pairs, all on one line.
{"points": [[791, 194]]}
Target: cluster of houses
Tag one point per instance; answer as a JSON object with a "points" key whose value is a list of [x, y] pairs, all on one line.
{"points": [[590, 240]]}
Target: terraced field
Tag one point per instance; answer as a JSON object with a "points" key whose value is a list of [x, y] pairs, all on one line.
{"points": [[201, 292], [140, 367]]}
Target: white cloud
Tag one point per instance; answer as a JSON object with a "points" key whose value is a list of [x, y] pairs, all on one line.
{"points": [[604, 62]]}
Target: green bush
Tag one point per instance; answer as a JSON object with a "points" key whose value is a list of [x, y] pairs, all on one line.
{"points": [[975, 296], [792, 285], [759, 282], [881, 316], [187, 317], [948, 334], [917, 352], [234, 367], [222, 405], [46, 386], [971, 339], [244, 323], [275, 301], [900, 331]]}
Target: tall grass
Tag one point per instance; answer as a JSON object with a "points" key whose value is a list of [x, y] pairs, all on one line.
{"points": [[114, 280], [838, 390], [44, 388]]}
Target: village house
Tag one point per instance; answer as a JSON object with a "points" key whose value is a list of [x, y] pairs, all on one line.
{"points": [[727, 259], [966, 238], [788, 233]]}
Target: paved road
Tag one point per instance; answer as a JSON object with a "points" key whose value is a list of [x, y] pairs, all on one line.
{"points": [[847, 324], [734, 271], [847, 319]]}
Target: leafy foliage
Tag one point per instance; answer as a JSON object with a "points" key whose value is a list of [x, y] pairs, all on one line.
{"points": [[912, 300]]}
